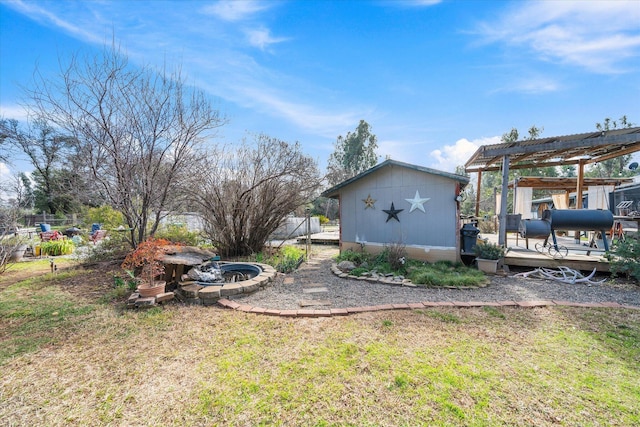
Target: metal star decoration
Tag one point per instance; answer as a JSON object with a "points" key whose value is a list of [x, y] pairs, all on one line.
{"points": [[417, 202], [392, 213], [369, 202]]}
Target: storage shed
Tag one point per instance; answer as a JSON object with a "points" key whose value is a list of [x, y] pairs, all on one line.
{"points": [[395, 202]]}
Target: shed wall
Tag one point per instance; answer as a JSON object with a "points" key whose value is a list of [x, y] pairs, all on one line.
{"points": [[434, 228]]}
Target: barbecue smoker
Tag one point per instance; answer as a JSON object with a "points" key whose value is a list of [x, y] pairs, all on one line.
{"points": [[567, 219]]}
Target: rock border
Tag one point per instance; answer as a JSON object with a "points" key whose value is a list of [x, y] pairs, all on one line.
{"points": [[190, 292], [245, 308]]}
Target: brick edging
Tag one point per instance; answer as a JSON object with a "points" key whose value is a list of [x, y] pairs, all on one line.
{"points": [[412, 306]]}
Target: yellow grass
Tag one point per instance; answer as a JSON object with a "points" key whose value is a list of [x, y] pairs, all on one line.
{"points": [[188, 365]]}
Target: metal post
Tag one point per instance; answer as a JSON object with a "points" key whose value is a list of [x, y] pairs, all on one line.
{"points": [[503, 201], [308, 249]]}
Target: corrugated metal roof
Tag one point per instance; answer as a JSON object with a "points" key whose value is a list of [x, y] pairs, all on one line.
{"points": [[333, 191], [591, 147]]}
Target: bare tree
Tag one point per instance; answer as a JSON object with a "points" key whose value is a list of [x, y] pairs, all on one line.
{"points": [[244, 193], [136, 129]]}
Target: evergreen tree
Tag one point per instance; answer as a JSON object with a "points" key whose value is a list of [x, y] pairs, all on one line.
{"points": [[353, 154]]}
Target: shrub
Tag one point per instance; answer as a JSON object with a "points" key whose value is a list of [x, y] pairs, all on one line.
{"points": [[289, 258], [323, 219], [57, 247], [488, 250], [396, 256], [104, 215], [355, 257], [115, 247], [179, 233], [625, 257], [145, 259]]}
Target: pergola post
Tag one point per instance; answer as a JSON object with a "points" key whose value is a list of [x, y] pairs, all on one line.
{"points": [[502, 234], [478, 193], [580, 184]]}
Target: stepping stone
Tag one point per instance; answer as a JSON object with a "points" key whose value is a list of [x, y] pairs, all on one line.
{"points": [[314, 302], [315, 290]]}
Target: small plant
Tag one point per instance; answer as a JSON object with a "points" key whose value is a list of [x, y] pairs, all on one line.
{"points": [[396, 256], [488, 250], [358, 271], [625, 258], [129, 283], [290, 258], [145, 259], [355, 257]]}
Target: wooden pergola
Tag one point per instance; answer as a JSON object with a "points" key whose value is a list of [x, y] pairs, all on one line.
{"points": [[580, 149]]}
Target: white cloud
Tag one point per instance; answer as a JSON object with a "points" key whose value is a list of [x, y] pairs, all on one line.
{"points": [[531, 85], [261, 38], [450, 156], [302, 115], [234, 10], [596, 35], [40, 14], [13, 112], [415, 3]]}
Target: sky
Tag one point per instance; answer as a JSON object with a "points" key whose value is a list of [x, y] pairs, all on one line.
{"points": [[434, 79]]}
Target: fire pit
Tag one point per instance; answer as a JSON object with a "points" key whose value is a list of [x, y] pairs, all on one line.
{"points": [[207, 283], [213, 273]]}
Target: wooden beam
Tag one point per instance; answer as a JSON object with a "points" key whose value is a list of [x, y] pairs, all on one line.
{"points": [[618, 153], [630, 138]]}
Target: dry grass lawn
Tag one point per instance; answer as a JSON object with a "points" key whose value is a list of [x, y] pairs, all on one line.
{"points": [[70, 358]]}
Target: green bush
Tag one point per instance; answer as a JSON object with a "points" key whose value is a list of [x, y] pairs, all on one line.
{"points": [[323, 219], [288, 259], [488, 250], [104, 215], [625, 257], [178, 233], [355, 257], [57, 247]]}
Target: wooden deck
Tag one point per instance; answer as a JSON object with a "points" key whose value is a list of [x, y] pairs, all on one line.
{"points": [[579, 257], [324, 238]]}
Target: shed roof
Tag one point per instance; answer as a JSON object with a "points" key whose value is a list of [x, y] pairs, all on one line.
{"points": [[589, 147], [333, 191]]}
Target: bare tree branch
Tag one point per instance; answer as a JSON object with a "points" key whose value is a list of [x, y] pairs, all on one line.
{"points": [[137, 130]]}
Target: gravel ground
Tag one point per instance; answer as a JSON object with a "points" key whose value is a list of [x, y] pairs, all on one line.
{"points": [[344, 293]]}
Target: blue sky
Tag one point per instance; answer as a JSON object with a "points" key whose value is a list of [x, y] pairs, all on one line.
{"points": [[434, 79]]}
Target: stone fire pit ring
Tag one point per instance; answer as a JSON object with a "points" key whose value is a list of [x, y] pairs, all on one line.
{"points": [[193, 292]]}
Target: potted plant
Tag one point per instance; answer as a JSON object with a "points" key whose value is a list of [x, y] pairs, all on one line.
{"points": [[489, 256], [145, 260]]}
